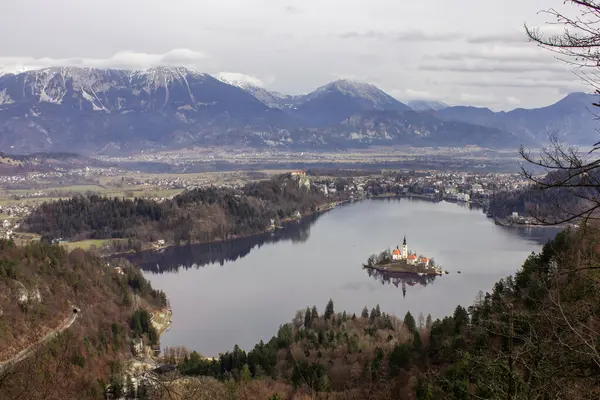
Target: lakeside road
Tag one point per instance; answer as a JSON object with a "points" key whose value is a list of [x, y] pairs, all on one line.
{"points": [[23, 354]]}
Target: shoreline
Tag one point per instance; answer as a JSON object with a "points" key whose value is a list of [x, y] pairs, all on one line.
{"points": [[406, 268], [320, 209], [506, 224]]}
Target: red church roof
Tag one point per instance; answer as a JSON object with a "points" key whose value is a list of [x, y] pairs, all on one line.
{"points": [[396, 252], [412, 257]]}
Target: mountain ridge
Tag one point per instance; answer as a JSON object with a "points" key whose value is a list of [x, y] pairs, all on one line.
{"points": [[117, 111]]}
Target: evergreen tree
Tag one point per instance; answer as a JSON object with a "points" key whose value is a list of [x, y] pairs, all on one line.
{"points": [[428, 322], [461, 318], [365, 313], [417, 344], [409, 322], [329, 310], [116, 386], [314, 314], [307, 319]]}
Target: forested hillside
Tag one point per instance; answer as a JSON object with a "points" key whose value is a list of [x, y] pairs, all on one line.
{"points": [[198, 215], [549, 201], [40, 284], [535, 336]]}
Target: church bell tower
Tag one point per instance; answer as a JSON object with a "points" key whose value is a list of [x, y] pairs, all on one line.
{"points": [[404, 249]]}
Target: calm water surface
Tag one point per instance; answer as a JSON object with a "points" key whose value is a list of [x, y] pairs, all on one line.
{"points": [[240, 292]]}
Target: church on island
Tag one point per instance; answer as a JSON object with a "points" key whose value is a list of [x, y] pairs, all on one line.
{"points": [[409, 258]]}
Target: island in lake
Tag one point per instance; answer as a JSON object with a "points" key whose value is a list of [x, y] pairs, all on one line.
{"points": [[401, 260]]}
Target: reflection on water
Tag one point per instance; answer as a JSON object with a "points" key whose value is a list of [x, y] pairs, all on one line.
{"points": [[400, 279], [171, 259], [266, 278]]}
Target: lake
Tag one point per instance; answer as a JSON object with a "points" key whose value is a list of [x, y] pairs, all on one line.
{"points": [[241, 291]]}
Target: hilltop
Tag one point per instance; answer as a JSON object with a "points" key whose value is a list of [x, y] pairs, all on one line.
{"points": [[40, 287]]}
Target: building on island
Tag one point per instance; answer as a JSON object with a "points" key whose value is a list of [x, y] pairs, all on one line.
{"points": [[402, 254]]}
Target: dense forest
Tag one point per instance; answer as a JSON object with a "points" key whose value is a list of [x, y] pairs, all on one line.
{"points": [[535, 336], [39, 286], [198, 215]]}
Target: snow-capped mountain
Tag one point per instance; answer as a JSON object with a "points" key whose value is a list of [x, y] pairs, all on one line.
{"points": [[424, 105], [124, 110], [116, 111], [338, 100], [255, 87], [114, 90]]}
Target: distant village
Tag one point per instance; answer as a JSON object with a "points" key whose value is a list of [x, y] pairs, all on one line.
{"points": [[463, 187]]}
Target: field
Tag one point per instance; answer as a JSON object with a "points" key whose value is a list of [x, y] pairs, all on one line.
{"points": [[85, 244]]}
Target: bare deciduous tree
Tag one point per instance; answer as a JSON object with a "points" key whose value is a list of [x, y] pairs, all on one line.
{"points": [[571, 172]]}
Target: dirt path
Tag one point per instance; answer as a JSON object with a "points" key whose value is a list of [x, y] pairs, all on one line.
{"points": [[32, 349]]}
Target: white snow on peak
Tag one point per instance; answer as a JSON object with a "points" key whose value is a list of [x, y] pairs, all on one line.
{"points": [[424, 105], [240, 80], [356, 89]]}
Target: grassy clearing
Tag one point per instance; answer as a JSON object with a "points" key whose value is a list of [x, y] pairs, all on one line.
{"points": [[87, 244]]}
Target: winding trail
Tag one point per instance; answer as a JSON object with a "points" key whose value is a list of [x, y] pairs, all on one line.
{"points": [[23, 354]]}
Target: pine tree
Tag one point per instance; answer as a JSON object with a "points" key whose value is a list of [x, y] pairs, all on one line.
{"points": [[461, 318], [329, 310], [409, 322], [428, 322], [307, 320], [314, 314], [417, 344], [365, 313]]}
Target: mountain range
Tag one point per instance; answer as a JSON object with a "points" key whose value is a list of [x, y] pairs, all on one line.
{"points": [[113, 111]]}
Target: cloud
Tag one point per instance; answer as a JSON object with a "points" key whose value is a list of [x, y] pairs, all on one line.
{"points": [[563, 86], [513, 100], [292, 9], [514, 38], [481, 67], [407, 35], [500, 38], [499, 53], [122, 59], [239, 79], [477, 99], [418, 95]]}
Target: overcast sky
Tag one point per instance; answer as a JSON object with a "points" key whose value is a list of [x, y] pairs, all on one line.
{"points": [[461, 52]]}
